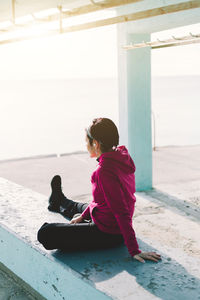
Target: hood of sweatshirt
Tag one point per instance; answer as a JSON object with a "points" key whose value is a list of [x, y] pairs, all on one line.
{"points": [[119, 159]]}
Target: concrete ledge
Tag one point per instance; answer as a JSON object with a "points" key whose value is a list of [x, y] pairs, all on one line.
{"points": [[43, 273], [21, 253], [99, 275]]}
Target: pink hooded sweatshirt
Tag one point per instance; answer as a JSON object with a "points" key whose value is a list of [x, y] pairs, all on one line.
{"points": [[113, 188]]}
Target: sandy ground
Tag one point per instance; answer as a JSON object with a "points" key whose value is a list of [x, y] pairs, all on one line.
{"points": [[167, 216]]}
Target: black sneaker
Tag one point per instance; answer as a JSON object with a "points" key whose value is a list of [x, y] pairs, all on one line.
{"points": [[56, 195], [56, 184]]}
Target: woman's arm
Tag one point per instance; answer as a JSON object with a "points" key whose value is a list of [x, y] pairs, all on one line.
{"points": [[86, 213], [114, 198]]}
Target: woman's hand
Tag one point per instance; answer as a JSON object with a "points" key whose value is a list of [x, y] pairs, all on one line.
{"points": [[76, 220], [148, 256]]}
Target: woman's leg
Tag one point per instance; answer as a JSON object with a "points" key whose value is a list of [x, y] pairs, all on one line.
{"points": [[58, 202], [69, 208], [81, 236]]}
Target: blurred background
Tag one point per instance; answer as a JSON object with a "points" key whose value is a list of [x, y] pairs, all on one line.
{"points": [[51, 89]]}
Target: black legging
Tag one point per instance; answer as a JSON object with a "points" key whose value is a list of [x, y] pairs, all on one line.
{"points": [[80, 236]]}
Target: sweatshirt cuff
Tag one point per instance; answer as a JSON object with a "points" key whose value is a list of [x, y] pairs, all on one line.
{"points": [[86, 213], [135, 252]]}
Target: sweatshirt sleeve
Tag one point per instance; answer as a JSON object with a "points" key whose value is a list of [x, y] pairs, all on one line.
{"points": [[86, 213], [114, 197]]}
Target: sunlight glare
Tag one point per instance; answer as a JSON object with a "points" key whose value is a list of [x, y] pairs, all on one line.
{"points": [[46, 12], [24, 20], [6, 24]]}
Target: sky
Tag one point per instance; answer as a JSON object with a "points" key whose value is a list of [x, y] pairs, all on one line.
{"points": [[91, 53]]}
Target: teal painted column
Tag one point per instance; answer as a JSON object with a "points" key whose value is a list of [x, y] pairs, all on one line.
{"points": [[135, 103]]}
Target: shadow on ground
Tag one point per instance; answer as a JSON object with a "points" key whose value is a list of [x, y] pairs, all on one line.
{"points": [[167, 279], [191, 211]]}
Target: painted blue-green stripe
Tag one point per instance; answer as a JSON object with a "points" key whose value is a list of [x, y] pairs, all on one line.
{"points": [[53, 280]]}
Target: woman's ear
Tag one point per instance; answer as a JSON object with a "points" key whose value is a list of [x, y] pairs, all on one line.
{"points": [[95, 143]]}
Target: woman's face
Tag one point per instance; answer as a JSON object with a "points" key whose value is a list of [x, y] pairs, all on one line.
{"points": [[90, 149]]}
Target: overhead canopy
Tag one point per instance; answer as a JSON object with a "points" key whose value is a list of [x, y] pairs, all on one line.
{"points": [[25, 7], [147, 16]]}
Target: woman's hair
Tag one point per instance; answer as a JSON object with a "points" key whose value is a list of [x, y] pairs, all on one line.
{"points": [[105, 132]]}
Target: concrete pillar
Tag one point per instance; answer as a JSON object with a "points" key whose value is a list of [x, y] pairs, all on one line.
{"points": [[135, 103]]}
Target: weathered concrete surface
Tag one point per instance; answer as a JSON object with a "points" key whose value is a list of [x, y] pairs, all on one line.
{"points": [[112, 271], [22, 213], [167, 224]]}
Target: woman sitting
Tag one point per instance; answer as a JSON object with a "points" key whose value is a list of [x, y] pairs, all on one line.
{"points": [[107, 220]]}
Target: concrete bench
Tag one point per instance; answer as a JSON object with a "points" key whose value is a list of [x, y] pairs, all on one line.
{"points": [[105, 274]]}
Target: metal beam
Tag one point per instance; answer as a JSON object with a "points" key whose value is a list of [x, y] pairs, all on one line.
{"points": [[60, 19], [115, 20], [90, 8], [13, 12], [136, 16], [174, 41], [124, 18], [181, 43]]}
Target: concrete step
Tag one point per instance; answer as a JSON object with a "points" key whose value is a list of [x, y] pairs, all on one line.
{"points": [[23, 212], [104, 274]]}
